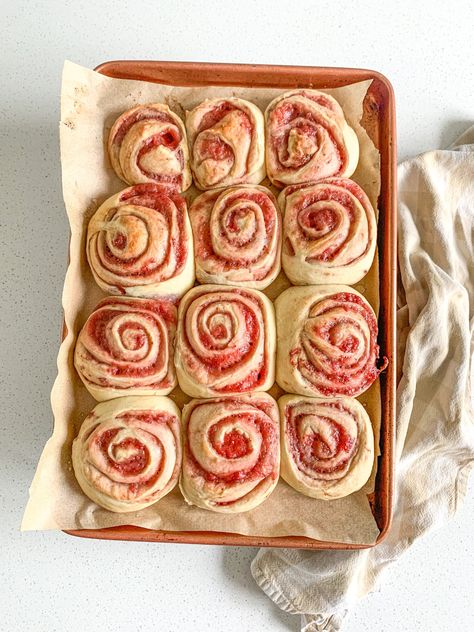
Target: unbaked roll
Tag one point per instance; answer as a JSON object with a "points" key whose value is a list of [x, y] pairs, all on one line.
{"points": [[225, 342], [231, 452], [139, 243], [308, 138], [237, 236], [148, 144], [327, 341], [226, 140], [126, 348], [327, 445], [329, 232], [127, 454]]}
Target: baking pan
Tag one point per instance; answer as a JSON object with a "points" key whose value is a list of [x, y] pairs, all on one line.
{"points": [[379, 121]]}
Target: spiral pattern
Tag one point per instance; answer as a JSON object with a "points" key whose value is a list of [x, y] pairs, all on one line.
{"points": [[329, 232], [231, 452], [225, 341], [126, 348], [139, 243], [308, 138], [237, 236], [226, 138], [327, 445], [339, 348], [127, 454], [327, 341], [148, 144]]}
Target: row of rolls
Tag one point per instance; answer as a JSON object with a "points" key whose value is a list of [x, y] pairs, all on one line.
{"points": [[224, 451], [224, 342], [302, 136], [143, 241], [319, 341]]}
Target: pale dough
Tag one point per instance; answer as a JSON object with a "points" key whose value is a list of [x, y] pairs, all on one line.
{"points": [[237, 238], [136, 158], [343, 458], [326, 354], [97, 456], [139, 335], [226, 152], [207, 423], [137, 235], [329, 232], [212, 331], [315, 143]]}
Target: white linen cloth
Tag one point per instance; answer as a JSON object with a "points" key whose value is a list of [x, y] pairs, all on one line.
{"points": [[435, 421]]}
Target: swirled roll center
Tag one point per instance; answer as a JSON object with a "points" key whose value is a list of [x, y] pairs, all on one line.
{"points": [[217, 330], [319, 219], [133, 337], [227, 444], [136, 237], [338, 345], [222, 147], [159, 159], [319, 438], [324, 444], [151, 147], [213, 158], [324, 439], [305, 134], [157, 153], [328, 224], [232, 443], [336, 339], [129, 455], [239, 223], [126, 235], [238, 231], [125, 454], [124, 345], [302, 144], [220, 327], [341, 336]]}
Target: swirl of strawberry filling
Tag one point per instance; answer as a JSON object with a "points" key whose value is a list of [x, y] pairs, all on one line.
{"points": [[141, 239], [237, 233], [126, 456], [231, 452], [226, 140], [323, 438], [148, 144], [125, 345], [223, 342], [329, 225], [339, 351], [308, 138]]}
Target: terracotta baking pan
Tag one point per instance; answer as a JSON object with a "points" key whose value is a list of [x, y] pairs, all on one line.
{"points": [[379, 121]]}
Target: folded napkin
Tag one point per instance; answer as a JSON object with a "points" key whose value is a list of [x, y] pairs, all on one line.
{"points": [[435, 421]]}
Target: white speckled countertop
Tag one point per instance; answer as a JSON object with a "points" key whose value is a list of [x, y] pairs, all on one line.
{"points": [[52, 582]]}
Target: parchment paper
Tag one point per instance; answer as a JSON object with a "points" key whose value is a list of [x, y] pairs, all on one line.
{"points": [[90, 103]]}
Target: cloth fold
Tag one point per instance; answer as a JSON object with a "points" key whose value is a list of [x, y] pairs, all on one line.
{"points": [[435, 420]]}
